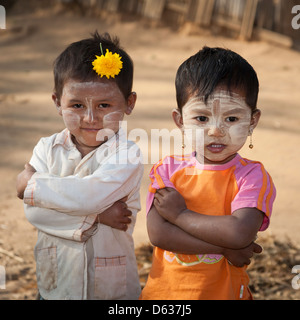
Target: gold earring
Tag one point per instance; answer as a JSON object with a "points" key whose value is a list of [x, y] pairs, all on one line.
{"points": [[183, 144], [251, 146]]}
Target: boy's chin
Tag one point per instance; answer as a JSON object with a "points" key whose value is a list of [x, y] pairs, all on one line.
{"points": [[105, 134], [215, 158]]}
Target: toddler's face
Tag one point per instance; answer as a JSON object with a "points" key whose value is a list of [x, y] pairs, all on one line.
{"points": [[218, 129], [93, 111]]}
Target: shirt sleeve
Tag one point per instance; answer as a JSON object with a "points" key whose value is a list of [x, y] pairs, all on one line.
{"points": [[58, 224], [92, 194], [76, 228], [256, 190], [39, 158], [160, 178]]}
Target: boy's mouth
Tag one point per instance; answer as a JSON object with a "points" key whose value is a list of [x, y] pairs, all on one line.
{"points": [[91, 129], [216, 147]]}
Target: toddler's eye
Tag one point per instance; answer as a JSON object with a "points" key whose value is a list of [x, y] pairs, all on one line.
{"points": [[202, 119], [77, 106], [232, 119], [103, 105]]}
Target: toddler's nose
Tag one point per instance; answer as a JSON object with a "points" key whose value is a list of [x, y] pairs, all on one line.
{"points": [[216, 131], [90, 116]]}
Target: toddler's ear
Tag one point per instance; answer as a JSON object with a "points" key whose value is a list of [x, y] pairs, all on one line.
{"points": [[57, 103], [177, 117], [255, 118], [131, 103]]}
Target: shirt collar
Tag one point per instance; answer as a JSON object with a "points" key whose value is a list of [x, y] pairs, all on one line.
{"points": [[64, 139], [216, 167]]}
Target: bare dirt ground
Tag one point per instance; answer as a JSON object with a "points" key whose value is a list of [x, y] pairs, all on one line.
{"points": [[28, 47]]}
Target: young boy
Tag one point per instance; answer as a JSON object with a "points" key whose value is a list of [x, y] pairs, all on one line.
{"points": [[204, 208], [82, 184]]}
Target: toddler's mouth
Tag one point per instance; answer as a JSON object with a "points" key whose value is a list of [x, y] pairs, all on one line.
{"points": [[216, 147], [91, 129]]}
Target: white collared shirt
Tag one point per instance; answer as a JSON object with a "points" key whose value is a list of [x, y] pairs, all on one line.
{"points": [[77, 258]]}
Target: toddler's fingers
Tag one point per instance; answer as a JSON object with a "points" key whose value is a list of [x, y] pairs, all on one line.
{"points": [[257, 248], [124, 227], [155, 202], [124, 199], [122, 204], [127, 213], [126, 220], [157, 196], [161, 192]]}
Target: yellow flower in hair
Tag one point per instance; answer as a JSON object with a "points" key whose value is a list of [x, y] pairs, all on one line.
{"points": [[108, 65]]}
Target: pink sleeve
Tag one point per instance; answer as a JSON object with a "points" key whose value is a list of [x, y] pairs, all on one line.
{"points": [[256, 190], [160, 178]]}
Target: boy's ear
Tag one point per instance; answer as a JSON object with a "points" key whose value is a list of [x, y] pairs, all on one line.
{"points": [[177, 117], [57, 103], [131, 103], [255, 118]]}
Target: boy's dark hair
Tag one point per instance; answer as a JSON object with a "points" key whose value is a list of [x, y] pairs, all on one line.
{"points": [[75, 62], [202, 73]]}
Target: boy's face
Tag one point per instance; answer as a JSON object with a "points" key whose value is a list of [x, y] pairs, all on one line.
{"points": [[93, 111], [218, 129]]}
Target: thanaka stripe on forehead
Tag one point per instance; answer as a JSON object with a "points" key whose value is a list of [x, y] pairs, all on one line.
{"points": [[235, 111], [224, 96], [205, 110]]}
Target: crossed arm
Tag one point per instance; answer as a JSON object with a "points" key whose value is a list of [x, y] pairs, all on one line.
{"points": [[116, 216], [173, 227]]}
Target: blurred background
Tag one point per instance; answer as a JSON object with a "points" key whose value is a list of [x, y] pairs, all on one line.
{"points": [[159, 35]]}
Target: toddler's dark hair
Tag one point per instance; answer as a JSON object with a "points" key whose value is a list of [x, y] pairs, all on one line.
{"points": [[210, 67], [75, 62]]}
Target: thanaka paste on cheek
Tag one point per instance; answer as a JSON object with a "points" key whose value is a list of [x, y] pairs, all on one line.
{"points": [[217, 131], [111, 124], [91, 122], [71, 119]]}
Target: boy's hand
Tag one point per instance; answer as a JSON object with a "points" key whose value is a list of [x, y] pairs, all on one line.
{"points": [[23, 178], [169, 203], [241, 257], [116, 216]]}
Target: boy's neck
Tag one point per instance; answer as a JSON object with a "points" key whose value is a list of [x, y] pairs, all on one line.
{"points": [[203, 160], [84, 149]]}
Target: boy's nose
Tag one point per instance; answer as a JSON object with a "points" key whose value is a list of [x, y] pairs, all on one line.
{"points": [[90, 116], [216, 131]]}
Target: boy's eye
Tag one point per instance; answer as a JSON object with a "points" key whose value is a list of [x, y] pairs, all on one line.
{"points": [[103, 105], [231, 119], [202, 119], [77, 106]]}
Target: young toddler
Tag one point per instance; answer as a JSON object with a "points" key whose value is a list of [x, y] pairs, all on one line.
{"points": [[81, 187], [205, 208]]}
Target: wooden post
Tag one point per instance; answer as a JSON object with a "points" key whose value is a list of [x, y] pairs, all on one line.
{"points": [[112, 5], [208, 12], [248, 19], [154, 8], [200, 11]]}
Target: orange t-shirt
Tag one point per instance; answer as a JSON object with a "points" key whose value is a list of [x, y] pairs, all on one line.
{"points": [[211, 190]]}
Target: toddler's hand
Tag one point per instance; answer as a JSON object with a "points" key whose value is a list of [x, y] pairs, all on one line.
{"points": [[23, 178], [116, 216], [242, 257], [169, 203]]}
